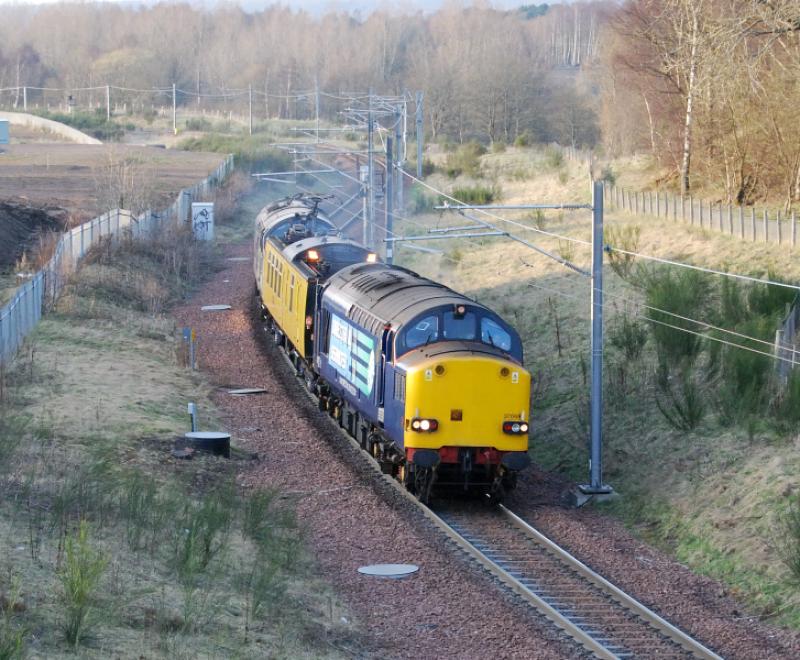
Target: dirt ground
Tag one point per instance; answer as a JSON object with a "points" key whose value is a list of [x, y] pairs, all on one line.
{"points": [[65, 175]]}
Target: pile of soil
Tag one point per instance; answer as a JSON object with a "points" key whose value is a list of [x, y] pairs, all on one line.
{"points": [[21, 223]]}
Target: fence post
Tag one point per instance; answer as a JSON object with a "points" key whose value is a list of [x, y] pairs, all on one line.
{"points": [[780, 233], [753, 221], [701, 214], [691, 210], [794, 228], [766, 226], [658, 204], [730, 219], [741, 222]]}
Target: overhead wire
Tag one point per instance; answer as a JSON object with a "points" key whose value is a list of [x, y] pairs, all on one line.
{"points": [[704, 324]]}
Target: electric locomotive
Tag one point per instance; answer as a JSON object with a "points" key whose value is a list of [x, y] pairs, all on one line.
{"points": [[429, 381]]}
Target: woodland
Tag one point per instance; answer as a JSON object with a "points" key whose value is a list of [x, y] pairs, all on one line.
{"points": [[708, 88]]}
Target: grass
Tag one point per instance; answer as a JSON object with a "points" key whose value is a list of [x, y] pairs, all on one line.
{"points": [[109, 547], [729, 483]]}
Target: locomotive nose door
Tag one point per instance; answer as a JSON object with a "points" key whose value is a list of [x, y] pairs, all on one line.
{"points": [[387, 340]]}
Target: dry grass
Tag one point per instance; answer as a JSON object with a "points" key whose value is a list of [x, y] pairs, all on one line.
{"points": [[88, 414], [710, 495]]}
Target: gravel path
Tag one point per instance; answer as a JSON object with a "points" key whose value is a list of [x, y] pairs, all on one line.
{"points": [[450, 609]]}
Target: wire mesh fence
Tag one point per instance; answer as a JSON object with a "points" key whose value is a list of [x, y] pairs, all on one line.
{"points": [[23, 312]]}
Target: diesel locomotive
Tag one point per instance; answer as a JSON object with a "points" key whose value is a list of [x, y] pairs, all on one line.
{"points": [[428, 381]]}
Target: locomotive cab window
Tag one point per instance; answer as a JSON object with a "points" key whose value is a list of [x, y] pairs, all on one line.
{"points": [[459, 327], [422, 332], [494, 335]]}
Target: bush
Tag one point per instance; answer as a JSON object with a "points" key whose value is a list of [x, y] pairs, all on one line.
{"points": [[251, 153], [465, 160], [622, 238], [420, 201], [198, 124], [745, 374], [628, 336], [498, 146], [553, 157], [523, 140], [685, 293], [80, 578], [93, 123], [476, 194], [681, 399], [607, 174]]}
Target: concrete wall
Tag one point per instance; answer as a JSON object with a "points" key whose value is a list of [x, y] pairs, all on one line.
{"points": [[32, 121]]}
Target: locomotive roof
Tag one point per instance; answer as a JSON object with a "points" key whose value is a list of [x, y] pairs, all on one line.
{"points": [[294, 250], [376, 294], [272, 215]]}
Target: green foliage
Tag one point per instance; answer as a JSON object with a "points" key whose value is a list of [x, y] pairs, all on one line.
{"points": [[787, 537], [476, 194], [628, 336], [80, 579], [608, 174], [524, 139], [201, 531], [684, 293], [420, 201], [680, 400], [745, 374], [498, 146], [93, 123], [533, 11], [12, 635], [251, 152], [553, 157], [465, 160], [198, 124], [770, 300], [622, 238]]}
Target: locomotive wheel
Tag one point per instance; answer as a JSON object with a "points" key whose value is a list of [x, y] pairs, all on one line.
{"points": [[497, 491]]}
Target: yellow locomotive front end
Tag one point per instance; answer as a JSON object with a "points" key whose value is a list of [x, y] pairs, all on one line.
{"points": [[467, 416]]}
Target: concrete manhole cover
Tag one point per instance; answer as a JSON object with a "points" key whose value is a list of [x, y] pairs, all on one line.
{"points": [[389, 570], [247, 390], [214, 308]]}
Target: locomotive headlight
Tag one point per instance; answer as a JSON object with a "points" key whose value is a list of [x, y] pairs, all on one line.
{"points": [[372, 258], [515, 428], [424, 425], [312, 255]]}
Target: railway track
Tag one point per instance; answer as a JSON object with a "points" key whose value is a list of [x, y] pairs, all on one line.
{"points": [[599, 616]]}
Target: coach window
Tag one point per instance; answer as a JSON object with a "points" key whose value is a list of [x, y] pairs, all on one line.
{"points": [[459, 327], [493, 334], [291, 292], [424, 331]]}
